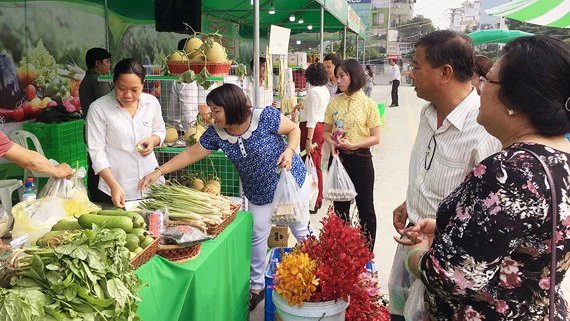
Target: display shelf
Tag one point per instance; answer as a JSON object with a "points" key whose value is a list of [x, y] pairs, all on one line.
{"points": [[292, 67], [108, 78]]}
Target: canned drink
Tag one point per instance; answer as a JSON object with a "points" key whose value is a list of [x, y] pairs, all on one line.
{"points": [[155, 223]]}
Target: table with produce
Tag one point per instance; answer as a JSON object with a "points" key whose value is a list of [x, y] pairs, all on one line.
{"points": [[167, 258]]}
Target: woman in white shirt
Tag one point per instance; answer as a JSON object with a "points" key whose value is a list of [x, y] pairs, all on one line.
{"points": [[312, 116], [123, 127]]}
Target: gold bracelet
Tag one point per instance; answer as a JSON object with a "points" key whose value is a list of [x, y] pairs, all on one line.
{"points": [[293, 149], [160, 170]]}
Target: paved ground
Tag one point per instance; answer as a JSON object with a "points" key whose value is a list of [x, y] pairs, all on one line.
{"points": [[391, 158]]}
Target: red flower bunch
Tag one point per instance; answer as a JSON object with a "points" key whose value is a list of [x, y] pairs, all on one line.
{"points": [[366, 300], [341, 253]]}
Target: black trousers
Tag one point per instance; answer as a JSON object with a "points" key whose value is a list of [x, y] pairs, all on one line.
{"points": [[361, 172], [395, 85], [95, 195]]}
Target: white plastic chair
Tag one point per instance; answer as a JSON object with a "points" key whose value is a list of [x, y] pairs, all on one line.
{"points": [[21, 137]]}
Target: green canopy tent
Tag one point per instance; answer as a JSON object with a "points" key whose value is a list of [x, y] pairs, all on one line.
{"points": [[496, 36], [551, 13]]}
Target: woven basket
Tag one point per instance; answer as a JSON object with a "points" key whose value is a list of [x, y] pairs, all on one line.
{"points": [[216, 230], [177, 67], [145, 255], [177, 254], [214, 68]]}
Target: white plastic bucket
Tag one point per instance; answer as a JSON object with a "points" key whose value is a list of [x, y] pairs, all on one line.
{"points": [[319, 311]]}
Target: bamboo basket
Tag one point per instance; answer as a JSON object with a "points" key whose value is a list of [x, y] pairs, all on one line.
{"points": [[216, 230], [178, 254], [146, 254]]}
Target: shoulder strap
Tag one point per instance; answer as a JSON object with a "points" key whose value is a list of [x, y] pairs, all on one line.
{"points": [[554, 210]]}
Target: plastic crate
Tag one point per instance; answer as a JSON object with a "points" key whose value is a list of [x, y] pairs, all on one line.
{"points": [[274, 258], [69, 154], [55, 136]]}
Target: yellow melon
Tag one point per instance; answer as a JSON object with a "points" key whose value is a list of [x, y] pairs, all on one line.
{"points": [[171, 135], [178, 56], [198, 58], [193, 134], [192, 46], [216, 53]]}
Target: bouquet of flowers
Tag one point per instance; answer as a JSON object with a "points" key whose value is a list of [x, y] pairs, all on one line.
{"points": [[327, 268]]}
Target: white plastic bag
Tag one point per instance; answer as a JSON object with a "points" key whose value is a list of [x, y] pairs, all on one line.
{"points": [[339, 186], [313, 180], [5, 221], [66, 188], [288, 205], [399, 282], [415, 309]]}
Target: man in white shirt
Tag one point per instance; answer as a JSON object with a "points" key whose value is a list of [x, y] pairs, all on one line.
{"points": [[394, 81], [330, 61], [265, 94], [449, 142]]}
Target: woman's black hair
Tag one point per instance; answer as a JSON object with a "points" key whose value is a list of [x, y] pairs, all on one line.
{"points": [[534, 79], [316, 74], [369, 71], [234, 102], [129, 66], [356, 73]]}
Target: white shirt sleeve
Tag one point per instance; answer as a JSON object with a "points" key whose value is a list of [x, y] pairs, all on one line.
{"points": [[158, 127], [311, 103], [96, 138]]}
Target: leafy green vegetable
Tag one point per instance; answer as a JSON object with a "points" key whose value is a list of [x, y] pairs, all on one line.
{"points": [[86, 278]]}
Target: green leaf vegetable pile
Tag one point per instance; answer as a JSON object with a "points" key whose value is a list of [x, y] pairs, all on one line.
{"points": [[87, 277]]}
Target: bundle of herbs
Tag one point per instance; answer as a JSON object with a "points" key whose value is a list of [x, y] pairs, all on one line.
{"points": [[87, 277]]}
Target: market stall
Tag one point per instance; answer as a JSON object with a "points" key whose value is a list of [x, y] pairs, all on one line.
{"points": [[212, 286]]}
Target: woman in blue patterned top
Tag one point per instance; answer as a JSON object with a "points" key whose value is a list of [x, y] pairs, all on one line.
{"points": [[253, 140]]}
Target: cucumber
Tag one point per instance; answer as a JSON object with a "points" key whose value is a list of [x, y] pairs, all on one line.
{"points": [[140, 232], [132, 242], [138, 250], [110, 222], [132, 255], [147, 241], [66, 224], [138, 220]]}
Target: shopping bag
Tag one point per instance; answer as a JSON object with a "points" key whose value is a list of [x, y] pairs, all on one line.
{"points": [[399, 282], [288, 204], [67, 187], [313, 180], [416, 309], [338, 186]]}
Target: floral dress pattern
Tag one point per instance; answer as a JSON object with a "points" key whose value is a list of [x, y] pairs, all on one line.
{"points": [[490, 259]]}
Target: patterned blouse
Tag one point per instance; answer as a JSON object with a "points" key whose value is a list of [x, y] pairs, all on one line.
{"points": [[490, 259], [255, 154]]}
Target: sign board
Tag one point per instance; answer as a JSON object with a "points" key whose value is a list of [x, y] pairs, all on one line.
{"points": [[279, 40]]}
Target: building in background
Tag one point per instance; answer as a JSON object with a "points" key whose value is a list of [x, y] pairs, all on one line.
{"points": [[467, 17], [491, 22]]}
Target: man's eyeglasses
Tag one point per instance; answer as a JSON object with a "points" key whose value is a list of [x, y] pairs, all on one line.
{"points": [[430, 152], [483, 82]]}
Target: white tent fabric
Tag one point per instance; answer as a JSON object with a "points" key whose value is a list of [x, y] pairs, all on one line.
{"points": [[552, 13]]}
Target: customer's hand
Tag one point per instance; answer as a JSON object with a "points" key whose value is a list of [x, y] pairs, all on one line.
{"points": [[399, 217], [309, 147], [422, 232], [148, 179], [146, 146], [345, 144], [118, 196], [286, 159], [62, 170]]}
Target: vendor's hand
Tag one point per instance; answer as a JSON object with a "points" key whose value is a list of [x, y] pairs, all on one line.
{"points": [[286, 159], [309, 147], [147, 144], [118, 196], [209, 190], [423, 231], [148, 179], [399, 217], [344, 143], [390, 82], [299, 106], [62, 170]]}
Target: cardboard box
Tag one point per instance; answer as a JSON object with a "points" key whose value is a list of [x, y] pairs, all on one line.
{"points": [[292, 60], [279, 236]]}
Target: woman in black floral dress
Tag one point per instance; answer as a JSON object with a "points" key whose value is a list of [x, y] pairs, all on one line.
{"points": [[487, 256]]}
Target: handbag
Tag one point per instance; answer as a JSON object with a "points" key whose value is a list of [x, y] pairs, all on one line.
{"points": [[554, 210]]}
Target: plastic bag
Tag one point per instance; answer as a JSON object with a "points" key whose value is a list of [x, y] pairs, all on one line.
{"points": [[5, 221], [399, 282], [184, 235], [36, 217], [66, 188], [415, 309], [339, 186], [314, 181], [288, 204]]}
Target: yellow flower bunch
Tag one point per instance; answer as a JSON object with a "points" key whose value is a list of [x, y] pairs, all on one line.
{"points": [[296, 278]]}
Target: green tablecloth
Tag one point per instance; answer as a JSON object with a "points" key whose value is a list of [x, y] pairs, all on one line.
{"points": [[213, 286]]}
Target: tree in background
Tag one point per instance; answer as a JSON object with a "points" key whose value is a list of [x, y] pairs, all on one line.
{"points": [[559, 33], [412, 30]]}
